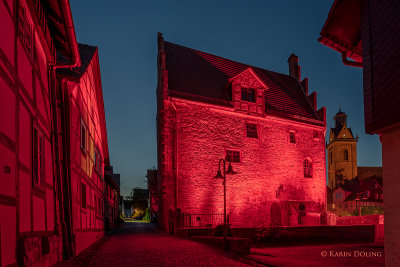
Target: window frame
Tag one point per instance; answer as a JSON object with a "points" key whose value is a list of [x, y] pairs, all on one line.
{"points": [[292, 134], [346, 155], [248, 94], [25, 31], [252, 133], [83, 139], [229, 157], [307, 168], [83, 196]]}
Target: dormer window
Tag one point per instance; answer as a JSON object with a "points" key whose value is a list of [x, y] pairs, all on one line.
{"points": [[248, 94]]}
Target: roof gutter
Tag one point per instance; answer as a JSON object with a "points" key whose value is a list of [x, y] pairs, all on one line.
{"points": [[349, 62], [69, 25]]}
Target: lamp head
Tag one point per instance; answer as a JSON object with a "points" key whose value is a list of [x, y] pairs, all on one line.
{"points": [[230, 170], [219, 175]]}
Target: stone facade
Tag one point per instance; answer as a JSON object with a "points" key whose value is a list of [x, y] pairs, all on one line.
{"points": [[279, 159], [270, 168]]}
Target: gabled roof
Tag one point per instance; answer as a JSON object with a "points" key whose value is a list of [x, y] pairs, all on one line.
{"points": [[336, 131], [357, 187], [86, 52], [192, 73]]}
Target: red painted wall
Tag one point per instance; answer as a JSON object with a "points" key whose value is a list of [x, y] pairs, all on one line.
{"points": [[88, 222], [27, 210]]}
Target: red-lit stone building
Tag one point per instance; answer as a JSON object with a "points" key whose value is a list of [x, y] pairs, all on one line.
{"points": [[267, 123], [368, 33]]}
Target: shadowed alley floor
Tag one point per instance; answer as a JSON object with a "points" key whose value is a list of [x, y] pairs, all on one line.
{"points": [[142, 244]]}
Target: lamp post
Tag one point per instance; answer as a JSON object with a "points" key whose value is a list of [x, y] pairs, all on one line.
{"points": [[222, 175]]}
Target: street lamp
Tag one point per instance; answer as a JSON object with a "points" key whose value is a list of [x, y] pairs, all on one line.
{"points": [[222, 175]]}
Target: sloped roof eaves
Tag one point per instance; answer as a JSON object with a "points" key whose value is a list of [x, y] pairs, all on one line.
{"points": [[86, 53], [194, 72]]}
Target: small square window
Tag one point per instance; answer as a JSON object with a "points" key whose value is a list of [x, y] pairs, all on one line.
{"points": [[249, 94], [233, 156], [292, 138], [252, 130]]}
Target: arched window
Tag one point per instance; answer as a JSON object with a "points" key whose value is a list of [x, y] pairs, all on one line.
{"points": [[346, 155], [307, 168]]}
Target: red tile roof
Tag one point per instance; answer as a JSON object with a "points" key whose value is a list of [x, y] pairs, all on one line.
{"points": [[201, 76]]}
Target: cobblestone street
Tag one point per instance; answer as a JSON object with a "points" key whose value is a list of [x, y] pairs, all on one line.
{"points": [[142, 244]]}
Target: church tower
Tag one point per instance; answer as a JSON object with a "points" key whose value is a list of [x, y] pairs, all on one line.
{"points": [[342, 152]]}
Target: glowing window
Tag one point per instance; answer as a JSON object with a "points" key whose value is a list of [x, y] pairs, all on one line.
{"points": [[249, 94], [233, 156], [307, 168], [292, 138], [252, 130], [38, 158], [83, 136], [346, 155]]}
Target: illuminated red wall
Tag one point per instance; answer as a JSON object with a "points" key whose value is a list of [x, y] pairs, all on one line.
{"points": [[27, 211], [269, 164], [86, 106]]}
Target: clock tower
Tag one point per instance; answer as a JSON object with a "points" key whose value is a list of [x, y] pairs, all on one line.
{"points": [[342, 152]]}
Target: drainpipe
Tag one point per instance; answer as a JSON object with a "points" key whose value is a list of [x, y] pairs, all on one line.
{"points": [[175, 154], [68, 248], [349, 62]]}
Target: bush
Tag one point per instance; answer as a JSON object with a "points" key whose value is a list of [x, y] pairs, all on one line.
{"points": [[147, 215]]}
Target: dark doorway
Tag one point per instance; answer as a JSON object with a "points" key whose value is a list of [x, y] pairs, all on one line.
{"points": [[276, 214]]}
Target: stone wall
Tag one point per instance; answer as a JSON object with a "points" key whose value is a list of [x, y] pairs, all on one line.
{"points": [[270, 168], [39, 251]]}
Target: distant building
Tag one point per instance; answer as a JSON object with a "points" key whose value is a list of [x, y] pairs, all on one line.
{"points": [[111, 197], [153, 193], [342, 152], [355, 195], [140, 200], [265, 124]]}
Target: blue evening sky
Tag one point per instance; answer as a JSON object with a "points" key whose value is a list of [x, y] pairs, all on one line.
{"points": [[256, 32]]}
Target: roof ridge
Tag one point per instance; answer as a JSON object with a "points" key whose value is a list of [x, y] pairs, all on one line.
{"points": [[224, 58]]}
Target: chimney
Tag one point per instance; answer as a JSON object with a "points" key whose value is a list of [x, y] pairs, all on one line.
{"points": [[294, 68]]}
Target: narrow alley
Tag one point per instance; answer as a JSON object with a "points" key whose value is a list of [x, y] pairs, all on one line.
{"points": [[142, 244]]}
